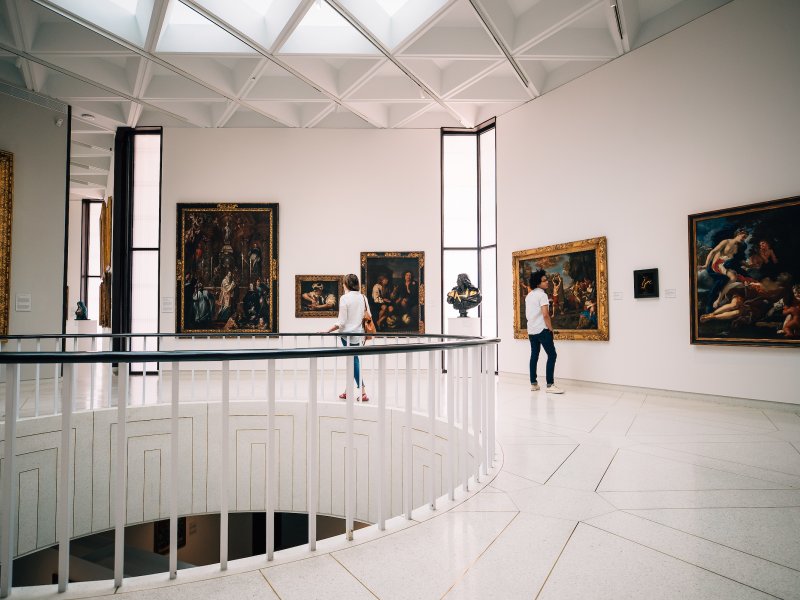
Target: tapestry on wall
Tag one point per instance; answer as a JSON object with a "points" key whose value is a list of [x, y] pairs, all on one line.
{"points": [[745, 275], [6, 191], [227, 268], [317, 295], [578, 288], [394, 283]]}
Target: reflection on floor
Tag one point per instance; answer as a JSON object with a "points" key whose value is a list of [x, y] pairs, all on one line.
{"points": [[601, 494]]}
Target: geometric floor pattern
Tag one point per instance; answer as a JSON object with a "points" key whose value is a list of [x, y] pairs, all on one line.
{"points": [[601, 494]]}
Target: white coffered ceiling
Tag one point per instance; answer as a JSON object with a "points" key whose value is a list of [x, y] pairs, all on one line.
{"points": [[308, 63]]}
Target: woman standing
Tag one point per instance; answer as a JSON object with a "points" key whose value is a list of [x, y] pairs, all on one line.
{"points": [[352, 308], [540, 330]]}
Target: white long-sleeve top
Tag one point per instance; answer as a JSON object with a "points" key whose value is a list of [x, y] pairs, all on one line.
{"points": [[352, 306]]}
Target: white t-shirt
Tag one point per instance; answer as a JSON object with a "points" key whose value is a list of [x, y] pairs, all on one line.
{"points": [[533, 310], [352, 306]]}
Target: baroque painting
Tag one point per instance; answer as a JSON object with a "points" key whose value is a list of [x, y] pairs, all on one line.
{"points": [[394, 284], [578, 290], [227, 268], [745, 275], [317, 295], [645, 283], [6, 191]]}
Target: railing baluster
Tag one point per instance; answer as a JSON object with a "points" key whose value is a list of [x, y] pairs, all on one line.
{"points": [[272, 480], [37, 393], [476, 411], [173, 476], [408, 484], [109, 381], [349, 476], [119, 488], [9, 490], [464, 460], [144, 372], [312, 481], [93, 372], [492, 350], [56, 373], [224, 469], [451, 424], [64, 496], [432, 425], [382, 442]]}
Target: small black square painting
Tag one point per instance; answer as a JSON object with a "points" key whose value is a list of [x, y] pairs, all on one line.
{"points": [[645, 283]]}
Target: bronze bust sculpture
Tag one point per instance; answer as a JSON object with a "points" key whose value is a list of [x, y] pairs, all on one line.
{"points": [[464, 296]]}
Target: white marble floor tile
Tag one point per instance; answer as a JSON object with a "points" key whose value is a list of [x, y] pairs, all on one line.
{"points": [[580, 419], [778, 456], [561, 503], [508, 482], [598, 565], [615, 423], [770, 533], [634, 471], [744, 568], [703, 499], [535, 461], [246, 586], [675, 424], [301, 581], [516, 565], [488, 501], [584, 468], [424, 561]]}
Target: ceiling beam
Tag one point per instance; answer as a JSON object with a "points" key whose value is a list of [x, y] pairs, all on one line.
{"points": [[529, 86], [20, 39], [628, 12], [614, 21]]}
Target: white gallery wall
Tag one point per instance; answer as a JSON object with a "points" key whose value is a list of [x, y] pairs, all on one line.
{"points": [[40, 148], [704, 118], [340, 192]]}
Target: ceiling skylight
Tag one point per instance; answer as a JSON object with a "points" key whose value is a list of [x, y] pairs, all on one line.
{"points": [[128, 6], [392, 6], [324, 31], [186, 30], [322, 15], [127, 19], [260, 7]]}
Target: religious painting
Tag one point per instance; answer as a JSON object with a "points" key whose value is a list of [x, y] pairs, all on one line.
{"points": [[394, 284], [105, 263], [745, 275], [645, 283], [227, 268], [6, 191], [577, 288], [317, 295]]}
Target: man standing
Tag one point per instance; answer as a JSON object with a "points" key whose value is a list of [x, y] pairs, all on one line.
{"points": [[540, 330]]}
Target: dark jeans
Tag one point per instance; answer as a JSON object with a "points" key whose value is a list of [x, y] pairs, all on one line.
{"points": [[545, 338], [356, 363]]}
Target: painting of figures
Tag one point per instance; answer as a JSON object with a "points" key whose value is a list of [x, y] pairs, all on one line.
{"points": [[578, 288], [6, 189], [745, 275], [317, 295], [227, 268], [394, 283]]}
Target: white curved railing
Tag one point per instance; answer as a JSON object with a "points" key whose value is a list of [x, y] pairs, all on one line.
{"points": [[458, 407]]}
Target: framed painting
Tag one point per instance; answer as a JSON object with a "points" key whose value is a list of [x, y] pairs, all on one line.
{"points": [[227, 268], [645, 283], [578, 290], [6, 192], [394, 284], [317, 296], [745, 275]]}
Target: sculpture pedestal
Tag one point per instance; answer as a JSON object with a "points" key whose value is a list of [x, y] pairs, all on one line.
{"points": [[87, 326], [464, 326]]}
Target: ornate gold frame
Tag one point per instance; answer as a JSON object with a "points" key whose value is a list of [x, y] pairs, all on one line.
{"points": [[317, 314], [597, 244], [6, 206]]}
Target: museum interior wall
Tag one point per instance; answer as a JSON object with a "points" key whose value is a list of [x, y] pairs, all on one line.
{"points": [[703, 118], [339, 192], [40, 149]]}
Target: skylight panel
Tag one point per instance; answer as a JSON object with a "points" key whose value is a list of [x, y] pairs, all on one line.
{"points": [[183, 15], [260, 7], [322, 15], [129, 6], [392, 6]]}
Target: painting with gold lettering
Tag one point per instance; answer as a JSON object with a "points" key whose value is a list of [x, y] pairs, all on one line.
{"points": [[6, 191], [227, 268]]}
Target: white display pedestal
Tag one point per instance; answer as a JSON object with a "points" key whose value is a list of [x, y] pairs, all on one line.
{"points": [[464, 326], [88, 326]]}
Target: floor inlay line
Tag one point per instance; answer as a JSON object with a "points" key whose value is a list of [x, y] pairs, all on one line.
{"points": [[550, 572]]}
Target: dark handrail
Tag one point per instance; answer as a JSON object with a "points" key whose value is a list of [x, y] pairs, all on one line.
{"points": [[226, 334], [217, 355]]}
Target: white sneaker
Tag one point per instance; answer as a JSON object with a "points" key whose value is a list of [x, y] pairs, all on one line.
{"points": [[535, 387], [553, 389]]}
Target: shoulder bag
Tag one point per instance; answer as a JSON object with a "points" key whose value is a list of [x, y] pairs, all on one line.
{"points": [[367, 322]]}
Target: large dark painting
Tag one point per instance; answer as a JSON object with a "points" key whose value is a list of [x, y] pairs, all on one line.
{"points": [[745, 274], [578, 289], [6, 190], [394, 283], [227, 268]]}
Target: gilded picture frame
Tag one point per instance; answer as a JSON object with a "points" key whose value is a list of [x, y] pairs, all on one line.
{"points": [[578, 290], [317, 296], [227, 268], [396, 299], [744, 275], [6, 212]]}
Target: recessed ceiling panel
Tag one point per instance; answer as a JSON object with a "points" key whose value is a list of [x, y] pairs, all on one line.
{"points": [[227, 73], [457, 33], [292, 114], [186, 30], [389, 114], [545, 18], [324, 31], [116, 71], [261, 20], [166, 84], [151, 117], [337, 75], [433, 118], [10, 73], [574, 43], [275, 83], [501, 84], [341, 118], [127, 19], [200, 114], [393, 21], [445, 75], [388, 83], [246, 118]]}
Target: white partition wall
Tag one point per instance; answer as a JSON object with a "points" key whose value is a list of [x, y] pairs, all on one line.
{"points": [[703, 118]]}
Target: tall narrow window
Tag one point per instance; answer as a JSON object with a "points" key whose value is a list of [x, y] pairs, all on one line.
{"points": [[90, 256], [469, 224]]}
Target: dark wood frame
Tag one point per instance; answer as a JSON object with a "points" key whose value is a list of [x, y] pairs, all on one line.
{"points": [[637, 293], [693, 271], [420, 257], [317, 314], [6, 214]]}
